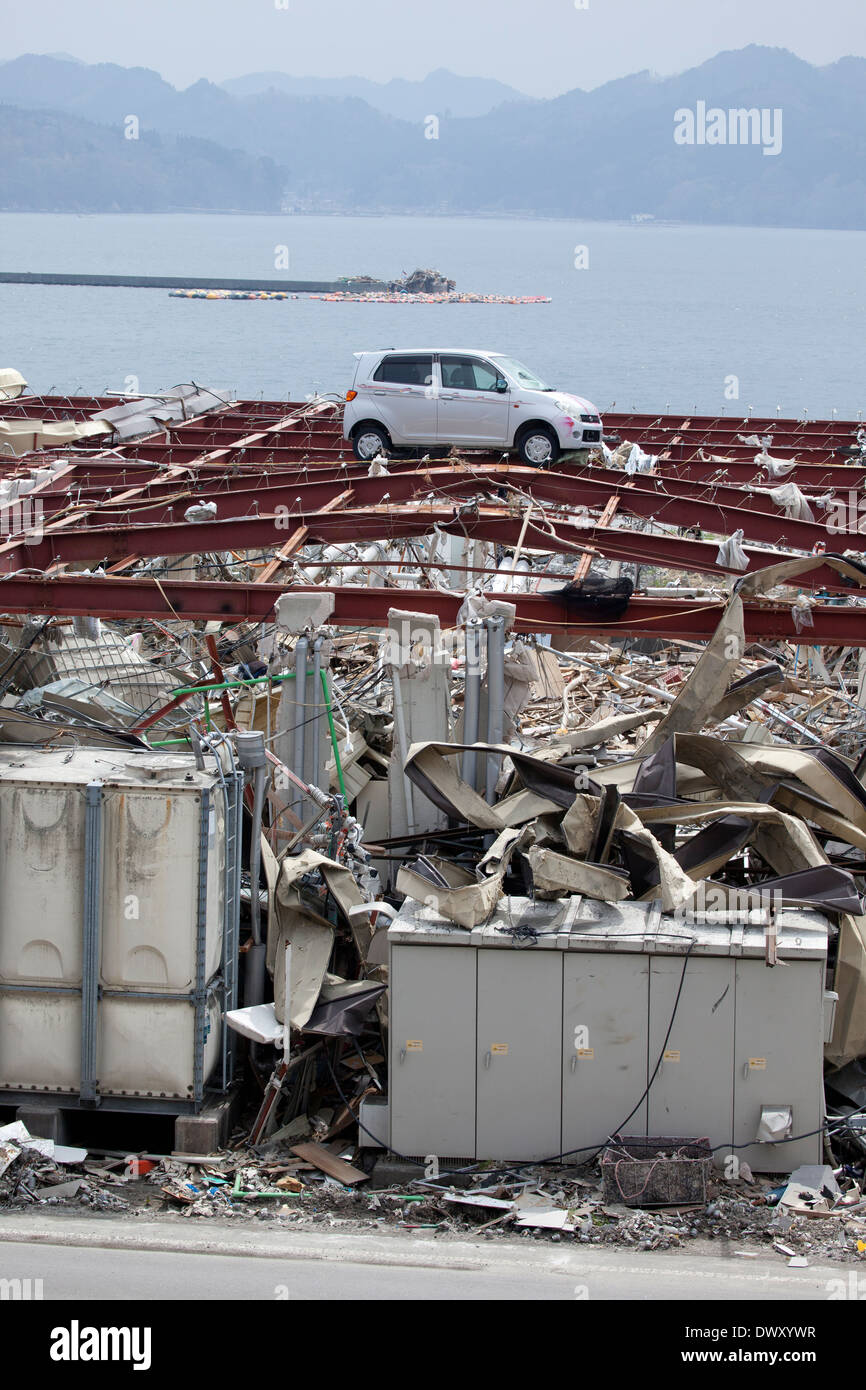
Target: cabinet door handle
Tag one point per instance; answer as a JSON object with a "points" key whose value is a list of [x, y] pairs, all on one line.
{"points": [[574, 1061], [402, 1055], [488, 1058]]}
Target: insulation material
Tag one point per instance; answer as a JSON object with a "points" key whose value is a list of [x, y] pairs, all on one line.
{"points": [[578, 823], [25, 436], [291, 917], [311, 936], [459, 896], [554, 874], [787, 571], [521, 672], [709, 679], [675, 887], [849, 1030]]}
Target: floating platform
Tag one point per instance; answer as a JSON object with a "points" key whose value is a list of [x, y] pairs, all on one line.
{"points": [[445, 297]]}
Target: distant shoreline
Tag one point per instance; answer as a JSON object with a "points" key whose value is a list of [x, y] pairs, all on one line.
{"points": [[642, 227]]}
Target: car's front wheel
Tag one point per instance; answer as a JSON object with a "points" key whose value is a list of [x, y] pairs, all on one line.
{"points": [[368, 441], [538, 446]]}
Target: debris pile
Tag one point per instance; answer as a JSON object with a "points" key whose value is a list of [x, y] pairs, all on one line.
{"points": [[749, 1216], [422, 282], [629, 679]]}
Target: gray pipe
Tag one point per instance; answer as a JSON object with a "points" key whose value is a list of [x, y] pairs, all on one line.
{"points": [[495, 697], [316, 701], [403, 746], [299, 727], [253, 759], [472, 698]]}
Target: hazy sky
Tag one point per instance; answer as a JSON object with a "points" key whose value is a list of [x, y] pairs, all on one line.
{"points": [[543, 47]]}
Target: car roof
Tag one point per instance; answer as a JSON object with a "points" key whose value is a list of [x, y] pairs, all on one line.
{"points": [[473, 351]]}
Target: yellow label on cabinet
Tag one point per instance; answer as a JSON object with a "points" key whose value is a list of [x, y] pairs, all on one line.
{"points": [[672, 1055], [499, 1049], [586, 1052], [758, 1063], [415, 1045]]}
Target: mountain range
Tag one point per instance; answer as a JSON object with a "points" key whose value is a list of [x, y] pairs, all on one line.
{"points": [[261, 143], [441, 92]]}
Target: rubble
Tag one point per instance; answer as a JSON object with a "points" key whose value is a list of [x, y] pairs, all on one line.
{"points": [[422, 282], [271, 1184], [454, 694]]}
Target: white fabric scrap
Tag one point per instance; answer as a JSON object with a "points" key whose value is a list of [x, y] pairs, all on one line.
{"points": [[763, 442], [777, 468], [792, 501], [639, 462], [776, 1123], [731, 553], [201, 511], [801, 612]]}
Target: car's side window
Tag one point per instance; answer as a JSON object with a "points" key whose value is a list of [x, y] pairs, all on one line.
{"points": [[405, 371], [486, 377], [467, 374]]}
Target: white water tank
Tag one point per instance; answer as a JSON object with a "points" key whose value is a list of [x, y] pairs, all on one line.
{"points": [[115, 894]]}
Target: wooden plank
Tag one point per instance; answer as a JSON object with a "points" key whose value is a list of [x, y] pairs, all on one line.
{"points": [[323, 1159], [604, 520], [298, 537], [273, 567]]}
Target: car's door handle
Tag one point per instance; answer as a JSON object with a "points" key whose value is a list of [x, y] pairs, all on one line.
{"points": [[380, 393], [448, 395]]}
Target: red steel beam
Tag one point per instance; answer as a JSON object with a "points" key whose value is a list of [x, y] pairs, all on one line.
{"points": [[261, 534], [302, 500], [70, 595]]}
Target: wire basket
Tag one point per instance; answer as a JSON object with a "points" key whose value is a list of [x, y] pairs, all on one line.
{"points": [[656, 1172]]}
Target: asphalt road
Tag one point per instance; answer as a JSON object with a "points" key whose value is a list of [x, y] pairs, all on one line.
{"points": [[77, 1260]]}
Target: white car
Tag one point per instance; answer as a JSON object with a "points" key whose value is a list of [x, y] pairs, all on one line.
{"points": [[434, 398]]}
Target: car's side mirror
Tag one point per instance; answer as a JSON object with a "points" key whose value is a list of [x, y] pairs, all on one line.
{"points": [[501, 384]]}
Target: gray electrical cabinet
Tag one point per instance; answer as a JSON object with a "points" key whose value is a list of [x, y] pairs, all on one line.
{"points": [[694, 1085], [519, 1095], [432, 1028], [777, 1037], [538, 1033], [604, 1028]]}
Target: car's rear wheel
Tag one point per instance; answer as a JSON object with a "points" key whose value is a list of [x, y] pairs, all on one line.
{"points": [[370, 440], [538, 446]]}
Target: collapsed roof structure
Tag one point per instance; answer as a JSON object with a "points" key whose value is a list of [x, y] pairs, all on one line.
{"points": [[647, 663]]}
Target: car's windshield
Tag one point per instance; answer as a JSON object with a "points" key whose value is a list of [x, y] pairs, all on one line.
{"points": [[522, 374]]}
